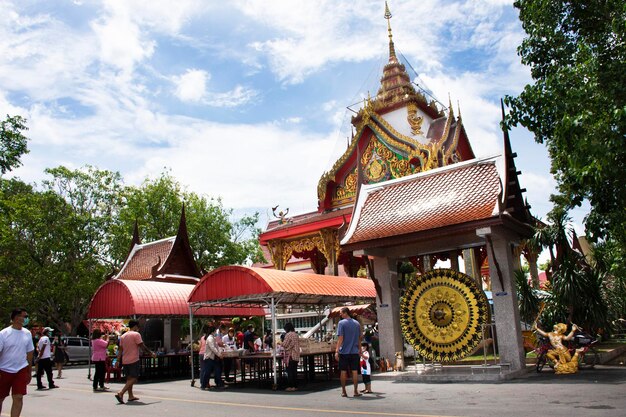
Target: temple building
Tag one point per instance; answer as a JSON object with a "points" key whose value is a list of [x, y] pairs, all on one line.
{"points": [[153, 285], [399, 132], [409, 188]]}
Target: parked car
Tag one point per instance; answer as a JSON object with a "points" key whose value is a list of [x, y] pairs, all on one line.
{"points": [[77, 348]]}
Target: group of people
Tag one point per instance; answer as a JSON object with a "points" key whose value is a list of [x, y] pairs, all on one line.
{"points": [[217, 339], [352, 353], [17, 353]]}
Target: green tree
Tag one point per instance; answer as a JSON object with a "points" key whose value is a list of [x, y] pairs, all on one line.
{"points": [[215, 239], [527, 298], [12, 143], [576, 105], [43, 265]]}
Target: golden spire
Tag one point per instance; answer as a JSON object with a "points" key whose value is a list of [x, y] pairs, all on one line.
{"points": [[392, 49]]}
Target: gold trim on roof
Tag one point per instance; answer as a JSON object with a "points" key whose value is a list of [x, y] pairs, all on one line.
{"points": [[414, 120], [326, 241], [413, 149], [455, 141]]}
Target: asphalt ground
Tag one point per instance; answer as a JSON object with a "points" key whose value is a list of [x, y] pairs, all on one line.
{"points": [[597, 392]]}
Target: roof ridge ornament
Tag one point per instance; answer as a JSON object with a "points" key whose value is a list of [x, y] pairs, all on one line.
{"points": [[392, 49]]}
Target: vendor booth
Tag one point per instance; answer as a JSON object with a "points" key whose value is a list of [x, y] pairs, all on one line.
{"points": [[165, 304], [239, 287]]}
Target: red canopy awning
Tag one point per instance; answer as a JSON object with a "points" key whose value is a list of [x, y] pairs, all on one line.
{"points": [[230, 284], [126, 298]]}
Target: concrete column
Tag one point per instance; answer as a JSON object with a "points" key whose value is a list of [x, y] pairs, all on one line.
{"points": [[427, 263], [167, 334], [454, 260], [390, 334], [506, 310]]}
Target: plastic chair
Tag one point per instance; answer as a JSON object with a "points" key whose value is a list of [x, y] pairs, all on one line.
{"points": [[112, 369]]}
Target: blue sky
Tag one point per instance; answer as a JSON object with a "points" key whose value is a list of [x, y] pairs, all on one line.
{"points": [[246, 100]]}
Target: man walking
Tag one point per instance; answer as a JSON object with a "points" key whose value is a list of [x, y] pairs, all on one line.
{"points": [[348, 350], [16, 355], [44, 360], [128, 355]]}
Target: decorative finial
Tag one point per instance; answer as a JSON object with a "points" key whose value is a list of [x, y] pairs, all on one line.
{"points": [[458, 107], [450, 106], [392, 49]]}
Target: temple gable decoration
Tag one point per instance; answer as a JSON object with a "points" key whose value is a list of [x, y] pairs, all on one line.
{"points": [[169, 259]]}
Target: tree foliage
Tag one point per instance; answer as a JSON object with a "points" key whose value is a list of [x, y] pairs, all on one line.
{"points": [[58, 242], [576, 50], [12, 143], [215, 239]]}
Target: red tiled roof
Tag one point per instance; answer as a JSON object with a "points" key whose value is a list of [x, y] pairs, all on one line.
{"points": [[305, 223], [355, 310], [142, 258], [446, 196], [244, 283], [122, 298]]}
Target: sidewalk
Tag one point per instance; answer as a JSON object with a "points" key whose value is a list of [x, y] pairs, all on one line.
{"points": [[475, 371]]}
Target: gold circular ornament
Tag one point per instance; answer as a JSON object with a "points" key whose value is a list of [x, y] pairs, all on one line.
{"points": [[441, 314]]}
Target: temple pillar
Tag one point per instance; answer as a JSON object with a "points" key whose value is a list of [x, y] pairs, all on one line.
{"points": [[277, 250], [472, 265], [167, 334], [454, 260], [531, 256], [330, 242], [506, 309], [427, 263], [388, 310]]}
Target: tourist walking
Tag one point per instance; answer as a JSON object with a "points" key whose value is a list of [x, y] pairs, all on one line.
{"points": [[99, 345], [291, 356], [44, 359], [128, 355], [58, 353], [16, 355], [213, 356], [203, 362], [348, 351]]}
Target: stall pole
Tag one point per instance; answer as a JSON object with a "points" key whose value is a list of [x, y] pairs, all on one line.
{"points": [[90, 339], [273, 315], [193, 381]]}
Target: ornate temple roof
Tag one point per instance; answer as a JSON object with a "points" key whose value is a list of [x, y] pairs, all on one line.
{"points": [[143, 257], [455, 194], [398, 133], [170, 259]]}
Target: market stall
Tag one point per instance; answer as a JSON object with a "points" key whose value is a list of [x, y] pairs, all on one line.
{"points": [[157, 300], [239, 286]]}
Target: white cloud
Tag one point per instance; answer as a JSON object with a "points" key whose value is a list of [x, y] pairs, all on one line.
{"points": [[191, 86], [95, 93], [236, 97], [122, 43]]}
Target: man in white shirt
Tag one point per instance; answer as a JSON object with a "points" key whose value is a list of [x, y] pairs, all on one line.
{"points": [[44, 352], [16, 356]]}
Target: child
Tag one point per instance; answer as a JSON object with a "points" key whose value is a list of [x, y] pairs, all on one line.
{"points": [[366, 371]]}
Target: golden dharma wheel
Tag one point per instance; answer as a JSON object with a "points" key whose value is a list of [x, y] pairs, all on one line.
{"points": [[441, 314]]}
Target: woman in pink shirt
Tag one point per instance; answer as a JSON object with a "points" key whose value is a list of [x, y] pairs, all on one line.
{"points": [[99, 343]]}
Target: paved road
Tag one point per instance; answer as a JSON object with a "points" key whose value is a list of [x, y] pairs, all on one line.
{"points": [[599, 392]]}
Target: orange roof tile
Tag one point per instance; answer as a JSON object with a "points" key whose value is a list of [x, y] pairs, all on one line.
{"points": [[138, 265], [446, 196]]}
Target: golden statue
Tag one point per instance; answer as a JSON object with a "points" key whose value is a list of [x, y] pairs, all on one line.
{"points": [[564, 362]]}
